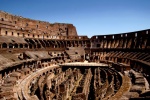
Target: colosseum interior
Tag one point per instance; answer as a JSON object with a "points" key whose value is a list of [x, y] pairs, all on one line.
{"points": [[49, 61]]}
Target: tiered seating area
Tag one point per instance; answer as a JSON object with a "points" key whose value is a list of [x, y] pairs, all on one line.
{"points": [[44, 61], [75, 53], [126, 53]]}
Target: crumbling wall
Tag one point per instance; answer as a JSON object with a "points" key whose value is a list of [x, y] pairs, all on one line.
{"points": [[36, 26]]}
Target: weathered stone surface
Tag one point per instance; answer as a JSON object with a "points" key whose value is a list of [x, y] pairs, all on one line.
{"points": [[20, 25], [44, 61]]}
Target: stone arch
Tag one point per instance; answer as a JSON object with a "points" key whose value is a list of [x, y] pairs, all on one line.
{"points": [[68, 44], [21, 45], [42, 43], [10, 45], [58, 44], [38, 45], [46, 43], [51, 43], [2, 19], [25, 45], [64, 44], [18, 34], [4, 45], [30, 46], [15, 45]]}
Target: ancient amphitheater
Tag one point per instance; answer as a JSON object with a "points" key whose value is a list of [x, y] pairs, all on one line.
{"points": [[49, 61]]}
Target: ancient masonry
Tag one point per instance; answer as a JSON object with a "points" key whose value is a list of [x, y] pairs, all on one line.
{"points": [[49, 61]]}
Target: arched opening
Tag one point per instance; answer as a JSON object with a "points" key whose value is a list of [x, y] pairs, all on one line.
{"points": [[51, 44], [21, 45], [38, 46], [18, 34], [6, 32], [15, 45], [4, 45], [42, 43], [34, 46], [26, 46], [46, 42], [58, 44], [12, 33], [15, 22], [68, 44], [32, 42], [10, 45], [2, 19], [30, 46]]}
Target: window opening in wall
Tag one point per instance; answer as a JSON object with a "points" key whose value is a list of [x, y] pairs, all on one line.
{"points": [[6, 32], [30, 46], [37, 26], [15, 45], [26, 45], [2, 19], [38, 36], [10, 45], [4, 45], [12, 33], [21, 45], [18, 34], [28, 34], [38, 46], [60, 29], [33, 35], [15, 22]]}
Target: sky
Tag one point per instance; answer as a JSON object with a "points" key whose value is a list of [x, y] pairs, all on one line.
{"points": [[90, 17]]}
